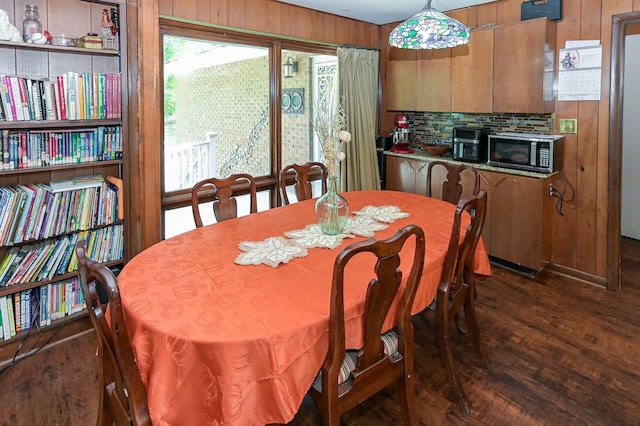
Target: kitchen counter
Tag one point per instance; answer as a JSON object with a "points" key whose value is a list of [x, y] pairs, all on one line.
{"points": [[421, 155]]}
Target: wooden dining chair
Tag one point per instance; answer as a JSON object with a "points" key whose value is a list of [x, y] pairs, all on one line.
{"points": [[223, 192], [302, 183], [457, 292], [349, 377], [452, 182], [123, 398]]}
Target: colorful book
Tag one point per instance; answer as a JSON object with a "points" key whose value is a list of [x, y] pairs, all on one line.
{"points": [[69, 250], [17, 308], [9, 109], [4, 315], [12, 315]]}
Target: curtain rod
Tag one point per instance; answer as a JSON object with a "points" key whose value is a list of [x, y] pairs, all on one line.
{"points": [[359, 47]]}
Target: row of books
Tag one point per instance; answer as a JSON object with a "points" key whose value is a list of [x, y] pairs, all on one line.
{"points": [[69, 96], [22, 149], [56, 256], [39, 211], [41, 305]]}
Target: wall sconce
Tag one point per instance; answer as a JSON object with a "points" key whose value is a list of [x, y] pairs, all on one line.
{"points": [[290, 67]]}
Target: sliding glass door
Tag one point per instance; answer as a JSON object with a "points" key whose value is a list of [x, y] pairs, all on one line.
{"points": [[216, 119], [219, 92]]}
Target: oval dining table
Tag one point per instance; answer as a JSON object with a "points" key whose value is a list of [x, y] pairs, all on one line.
{"points": [[218, 342]]}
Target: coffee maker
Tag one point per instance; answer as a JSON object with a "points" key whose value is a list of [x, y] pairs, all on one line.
{"points": [[401, 135]]}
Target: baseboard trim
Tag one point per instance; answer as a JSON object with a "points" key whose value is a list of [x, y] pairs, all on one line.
{"points": [[578, 275]]}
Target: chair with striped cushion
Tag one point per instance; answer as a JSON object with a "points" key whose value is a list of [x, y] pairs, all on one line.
{"points": [[457, 291], [348, 377]]}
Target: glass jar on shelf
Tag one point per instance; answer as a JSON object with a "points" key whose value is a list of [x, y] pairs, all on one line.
{"points": [[31, 25]]}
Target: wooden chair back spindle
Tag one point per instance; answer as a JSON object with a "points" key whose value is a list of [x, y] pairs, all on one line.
{"points": [[302, 183], [452, 182], [224, 190]]}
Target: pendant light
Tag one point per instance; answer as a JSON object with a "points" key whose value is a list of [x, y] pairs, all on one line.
{"points": [[429, 29]]}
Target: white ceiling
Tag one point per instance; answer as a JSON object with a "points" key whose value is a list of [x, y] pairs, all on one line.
{"points": [[381, 12]]}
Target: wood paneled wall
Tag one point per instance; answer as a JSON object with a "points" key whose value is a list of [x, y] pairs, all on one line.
{"points": [[579, 237]]}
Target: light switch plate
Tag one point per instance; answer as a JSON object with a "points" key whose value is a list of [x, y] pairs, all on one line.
{"points": [[568, 125]]}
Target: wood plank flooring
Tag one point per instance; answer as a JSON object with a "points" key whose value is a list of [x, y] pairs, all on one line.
{"points": [[563, 353]]}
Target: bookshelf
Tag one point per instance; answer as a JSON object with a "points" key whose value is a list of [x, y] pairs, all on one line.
{"points": [[63, 130]]}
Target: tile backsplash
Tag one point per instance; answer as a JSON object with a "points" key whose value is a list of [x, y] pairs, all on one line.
{"points": [[437, 127]]}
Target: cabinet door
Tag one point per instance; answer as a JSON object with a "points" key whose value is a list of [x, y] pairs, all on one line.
{"points": [[421, 168], [401, 174], [485, 183], [433, 80], [517, 220], [472, 74], [401, 80], [519, 83]]}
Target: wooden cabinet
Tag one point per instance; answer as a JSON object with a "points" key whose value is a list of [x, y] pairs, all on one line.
{"points": [[433, 81], [485, 183], [523, 67], [472, 73], [520, 220], [401, 80], [517, 227], [406, 175], [73, 125]]}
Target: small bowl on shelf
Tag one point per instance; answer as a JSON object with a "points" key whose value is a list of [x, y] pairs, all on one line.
{"points": [[64, 40], [436, 149]]}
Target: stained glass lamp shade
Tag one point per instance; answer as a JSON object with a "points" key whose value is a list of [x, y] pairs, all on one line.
{"points": [[429, 29]]}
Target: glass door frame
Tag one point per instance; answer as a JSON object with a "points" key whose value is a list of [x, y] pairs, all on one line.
{"points": [[275, 45]]}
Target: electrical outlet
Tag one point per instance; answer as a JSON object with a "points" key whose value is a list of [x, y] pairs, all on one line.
{"points": [[550, 191], [568, 125]]}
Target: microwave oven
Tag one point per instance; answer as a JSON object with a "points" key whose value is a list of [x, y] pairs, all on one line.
{"points": [[526, 151]]}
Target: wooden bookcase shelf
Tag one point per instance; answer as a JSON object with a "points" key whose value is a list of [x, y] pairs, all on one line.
{"points": [[103, 84], [57, 124], [63, 49], [61, 167]]}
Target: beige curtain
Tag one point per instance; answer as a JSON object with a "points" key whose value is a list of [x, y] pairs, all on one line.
{"points": [[358, 74]]}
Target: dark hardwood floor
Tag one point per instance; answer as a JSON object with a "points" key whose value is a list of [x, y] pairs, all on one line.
{"points": [[563, 353]]}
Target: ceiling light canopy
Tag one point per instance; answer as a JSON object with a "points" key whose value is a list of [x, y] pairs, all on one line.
{"points": [[429, 29]]}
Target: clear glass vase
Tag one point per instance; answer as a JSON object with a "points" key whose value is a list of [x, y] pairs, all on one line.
{"points": [[332, 210]]}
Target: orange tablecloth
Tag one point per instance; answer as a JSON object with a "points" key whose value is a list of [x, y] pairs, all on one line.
{"points": [[221, 343]]}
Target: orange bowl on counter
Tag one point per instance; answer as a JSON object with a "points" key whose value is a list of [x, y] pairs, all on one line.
{"points": [[436, 149]]}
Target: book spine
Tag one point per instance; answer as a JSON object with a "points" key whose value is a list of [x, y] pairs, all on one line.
{"points": [[5, 150], [61, 94], [24, 98], [9, 110], [18, 311], [101, 95], [5, 318], [14, 94]]}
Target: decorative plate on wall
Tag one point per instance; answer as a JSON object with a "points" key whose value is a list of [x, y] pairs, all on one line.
{"points": [[293, 101], [285, 101]]}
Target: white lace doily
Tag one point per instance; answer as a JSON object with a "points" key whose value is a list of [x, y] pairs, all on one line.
{"points": [[275, 250]]}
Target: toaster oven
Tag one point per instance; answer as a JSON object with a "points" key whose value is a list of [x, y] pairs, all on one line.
{"points": [[470, 144]]}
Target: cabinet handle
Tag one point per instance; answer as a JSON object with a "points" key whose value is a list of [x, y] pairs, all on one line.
{"points": [[410, 165], [500, 181], [484, 179], [422, 167]]}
